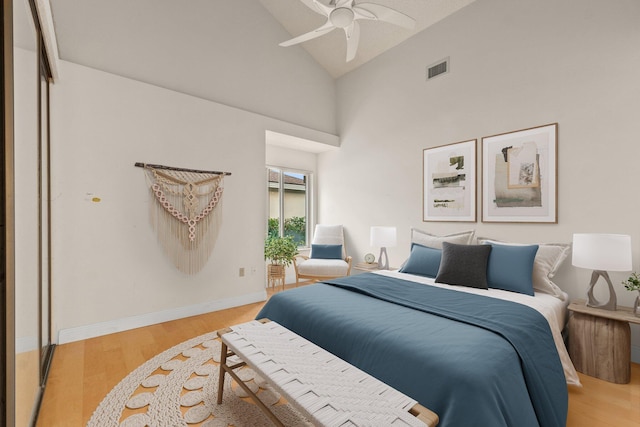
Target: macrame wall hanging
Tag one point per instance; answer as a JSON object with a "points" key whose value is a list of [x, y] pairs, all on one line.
{"points": [[185, 212]]}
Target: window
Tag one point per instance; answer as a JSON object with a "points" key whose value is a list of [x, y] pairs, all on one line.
{"points": [[289, 203]]}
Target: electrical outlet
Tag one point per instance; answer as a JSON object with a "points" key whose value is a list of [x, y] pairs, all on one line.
{"points": [[241, 271]]}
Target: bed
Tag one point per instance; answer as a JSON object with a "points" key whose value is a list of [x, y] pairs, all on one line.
{"points": [[476, 357]]}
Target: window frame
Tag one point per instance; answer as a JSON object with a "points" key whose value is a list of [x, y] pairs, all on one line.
{"points": [[309, 200]]}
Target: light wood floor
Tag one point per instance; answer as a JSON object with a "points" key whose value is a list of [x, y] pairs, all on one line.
{"points": [[83, 372]]}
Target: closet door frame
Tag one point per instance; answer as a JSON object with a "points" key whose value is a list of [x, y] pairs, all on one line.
{"points": [[7, 292], [8, 349]]}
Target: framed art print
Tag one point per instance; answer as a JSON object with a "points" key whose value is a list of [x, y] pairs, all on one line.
{"points": [[520, 176], [449, 179]]}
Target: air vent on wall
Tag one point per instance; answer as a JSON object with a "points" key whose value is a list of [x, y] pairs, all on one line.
{"points": [[437, 69]]}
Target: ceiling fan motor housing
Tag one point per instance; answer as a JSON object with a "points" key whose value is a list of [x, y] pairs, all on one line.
{"points": [[341, 17]]}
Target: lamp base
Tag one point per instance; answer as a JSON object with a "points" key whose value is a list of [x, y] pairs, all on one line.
{"points": [[385, 265], [592, 301]]}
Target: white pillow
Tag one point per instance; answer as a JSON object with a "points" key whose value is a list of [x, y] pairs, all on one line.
{"points": [[548, 260], [432, 241]]}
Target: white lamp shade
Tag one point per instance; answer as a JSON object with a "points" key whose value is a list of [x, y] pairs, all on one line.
{"points": [[607, 252], [383, 236]]}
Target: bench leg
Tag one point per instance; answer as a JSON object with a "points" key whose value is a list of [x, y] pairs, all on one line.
{"points": [[253, 396], [425, 415], [224, 369], [223, 362]]}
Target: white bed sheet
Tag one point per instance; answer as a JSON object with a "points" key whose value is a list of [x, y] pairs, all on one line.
{"points": [[552, 308]]}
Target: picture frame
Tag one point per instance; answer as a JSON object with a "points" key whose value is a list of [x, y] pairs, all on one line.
{"points": [[520, 176], [449, 182]]}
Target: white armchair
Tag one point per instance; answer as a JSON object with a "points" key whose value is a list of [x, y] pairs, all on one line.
{"points": [[326, 260]]}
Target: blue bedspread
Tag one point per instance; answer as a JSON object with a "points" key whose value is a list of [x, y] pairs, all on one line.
{"points": [[474, 360]]}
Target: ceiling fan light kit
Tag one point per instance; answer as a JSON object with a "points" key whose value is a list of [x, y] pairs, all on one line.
{"points": [[345, 14]]}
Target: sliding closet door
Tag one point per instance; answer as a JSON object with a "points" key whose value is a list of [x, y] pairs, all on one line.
{"points": [[25, 274], [26, 77]]}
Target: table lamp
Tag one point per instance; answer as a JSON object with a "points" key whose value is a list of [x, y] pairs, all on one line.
{"points": [[602, 253], [384, 237]]}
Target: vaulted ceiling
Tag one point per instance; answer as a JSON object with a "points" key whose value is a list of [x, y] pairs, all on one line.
{"points": [[376, 37], [91, 32]]}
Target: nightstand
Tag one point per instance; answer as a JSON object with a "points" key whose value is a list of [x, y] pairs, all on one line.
{"points": [[365, 266], [600, 341]]}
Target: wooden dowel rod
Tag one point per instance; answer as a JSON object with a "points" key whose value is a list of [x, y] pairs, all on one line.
{"points": [[171, 168]]}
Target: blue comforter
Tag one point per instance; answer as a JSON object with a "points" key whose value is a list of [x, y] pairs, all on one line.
{"points": [[474, 360]]}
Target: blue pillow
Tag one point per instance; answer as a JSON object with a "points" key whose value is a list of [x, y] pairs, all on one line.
{"points": [[510, 268], [464, 265], [326, 251], [423, 261]]}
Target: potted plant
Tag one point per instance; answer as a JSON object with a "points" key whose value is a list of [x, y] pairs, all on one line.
{"points": [[280, 251], [633, 284]]}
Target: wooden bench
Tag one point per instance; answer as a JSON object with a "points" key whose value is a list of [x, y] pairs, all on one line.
{"points": [[324, 388]]}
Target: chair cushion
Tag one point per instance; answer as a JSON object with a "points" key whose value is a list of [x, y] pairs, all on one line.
{"points": [[323, 267], [329, 235], [326, 251]]}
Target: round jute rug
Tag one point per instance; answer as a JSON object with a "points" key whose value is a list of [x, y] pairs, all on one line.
{"points": [[178, 387]]}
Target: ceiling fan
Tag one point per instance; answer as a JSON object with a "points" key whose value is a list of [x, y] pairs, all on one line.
{"points": [[345, 14]]}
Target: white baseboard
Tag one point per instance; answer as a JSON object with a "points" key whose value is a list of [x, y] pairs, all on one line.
{"points": [[125, 324]]}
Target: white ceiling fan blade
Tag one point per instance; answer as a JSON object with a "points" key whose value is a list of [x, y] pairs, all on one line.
{"points": [[384, 13], [319, 7], [363, 14], [326, 28], [343, 3], [353, 39]]}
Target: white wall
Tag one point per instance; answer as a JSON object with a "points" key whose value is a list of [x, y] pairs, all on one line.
{"points": [[514, 65], [290, 158], [109, 273], [223, 51]]}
